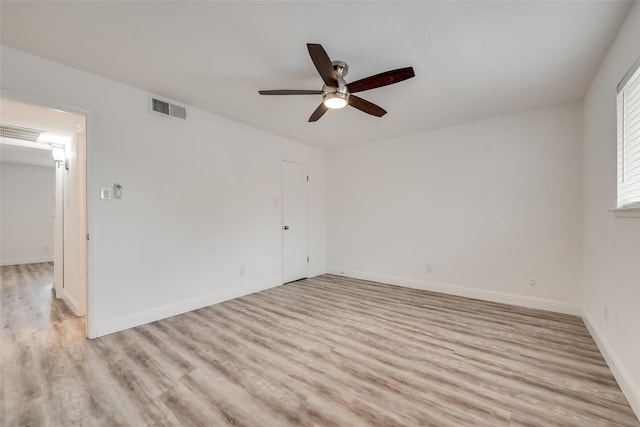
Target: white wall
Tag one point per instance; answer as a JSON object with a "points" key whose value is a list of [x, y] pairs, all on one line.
{"points": [[611, 245], [199, 198], [28, 205], [488, 204]]}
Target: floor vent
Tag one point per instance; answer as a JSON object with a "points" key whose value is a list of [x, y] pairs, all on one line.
{"points": [[168, 109], [17, 132]]}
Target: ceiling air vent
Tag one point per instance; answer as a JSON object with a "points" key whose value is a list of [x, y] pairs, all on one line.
{"points": [[17, 132], [168, 109]]}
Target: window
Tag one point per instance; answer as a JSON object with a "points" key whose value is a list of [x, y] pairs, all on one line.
{"points": [[629, 139]]}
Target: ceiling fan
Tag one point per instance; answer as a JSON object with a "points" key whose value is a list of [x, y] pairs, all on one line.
{"points": [[336, 92]]}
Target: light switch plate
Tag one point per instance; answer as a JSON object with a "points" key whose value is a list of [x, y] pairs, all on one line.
{"points": [[105, 193]]}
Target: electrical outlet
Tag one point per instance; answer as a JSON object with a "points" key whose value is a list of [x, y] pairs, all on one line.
{"points": [[533, 281]]}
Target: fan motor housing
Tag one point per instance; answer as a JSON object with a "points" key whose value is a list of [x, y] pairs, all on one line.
{"points": [[341, 68]]}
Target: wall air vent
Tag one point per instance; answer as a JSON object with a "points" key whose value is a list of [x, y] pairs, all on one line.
{"points": [[168, 109], [17, 132]]}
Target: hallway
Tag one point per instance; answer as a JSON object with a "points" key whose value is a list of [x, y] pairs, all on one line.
{"points": [[41, 308]]}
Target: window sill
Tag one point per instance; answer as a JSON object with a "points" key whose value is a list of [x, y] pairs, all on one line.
{"points": [[633, 212]]}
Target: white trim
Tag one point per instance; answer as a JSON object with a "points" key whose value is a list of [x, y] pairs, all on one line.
{"points": [[628, 75], [630, 389], [633, 212], [463, 291], [71, 302], [170, 310], [21, 261]]}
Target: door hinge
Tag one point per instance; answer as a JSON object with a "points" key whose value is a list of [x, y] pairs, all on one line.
{"points": [[87, 236], [307, 178], [307, 259]]}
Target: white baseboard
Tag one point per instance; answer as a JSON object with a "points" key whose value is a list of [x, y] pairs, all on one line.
{"points": [[71, 302], [629, 387], [21, 261], [170, 310], [482, 294]]}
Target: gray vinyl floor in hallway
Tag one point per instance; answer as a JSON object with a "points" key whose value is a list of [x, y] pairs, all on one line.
{"points": [[327, 351]]}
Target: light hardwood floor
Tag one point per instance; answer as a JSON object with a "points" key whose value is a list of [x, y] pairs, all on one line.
{"points": [[327, 351]]}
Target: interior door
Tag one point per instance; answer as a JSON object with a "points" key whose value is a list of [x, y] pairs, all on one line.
{"points": [[294, 222]]}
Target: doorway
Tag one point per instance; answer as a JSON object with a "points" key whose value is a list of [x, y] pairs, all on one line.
{"points": [[57, 139], [295, 260], [71, 273]]}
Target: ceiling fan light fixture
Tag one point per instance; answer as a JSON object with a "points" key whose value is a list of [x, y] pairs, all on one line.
{"points": [[335, 100], [336, 92]]}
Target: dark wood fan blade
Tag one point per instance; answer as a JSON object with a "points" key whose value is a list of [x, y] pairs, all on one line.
{"points": [[382, 79], [318, 113], [366, 106], [289, 92], [323, 64]]}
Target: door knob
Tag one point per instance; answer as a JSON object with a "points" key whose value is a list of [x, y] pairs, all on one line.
{"points": [[286, 227]]}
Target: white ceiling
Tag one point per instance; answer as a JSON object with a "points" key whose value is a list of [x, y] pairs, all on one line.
{"points": [[472, 59], [25, 155], [56, 123]]}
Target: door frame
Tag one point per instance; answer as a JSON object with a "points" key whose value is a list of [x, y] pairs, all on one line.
{"points": [[88, 208]]}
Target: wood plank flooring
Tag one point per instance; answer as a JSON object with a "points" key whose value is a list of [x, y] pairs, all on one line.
{"points": [[327, 351]]}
